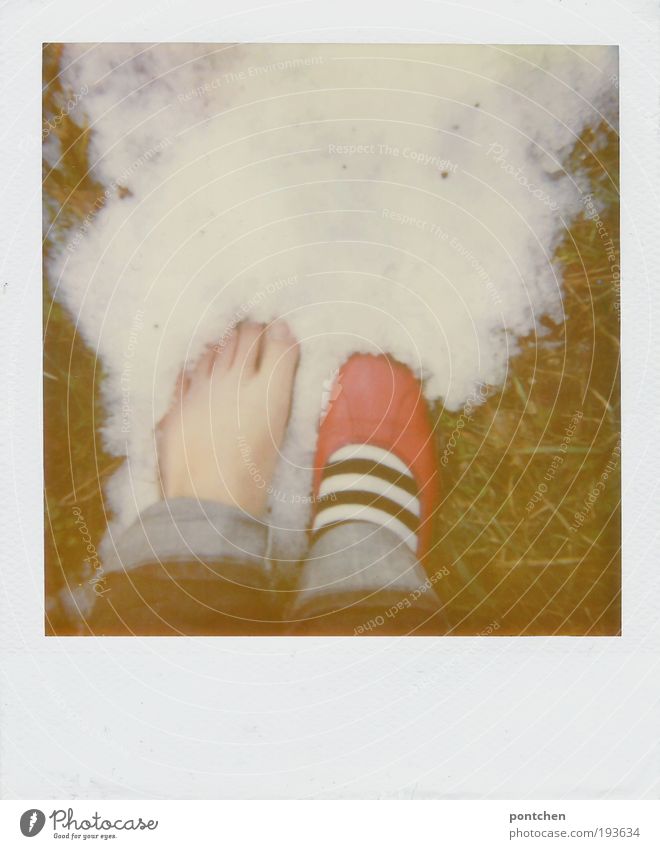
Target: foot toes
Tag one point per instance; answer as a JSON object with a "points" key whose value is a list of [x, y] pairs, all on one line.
{"points": [[202, 367], [225, 349], [248, 348], [280, 349]]}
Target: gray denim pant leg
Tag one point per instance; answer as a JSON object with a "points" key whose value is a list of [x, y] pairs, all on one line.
{"points": [[185, 529], [188, 567], [360, 578]]}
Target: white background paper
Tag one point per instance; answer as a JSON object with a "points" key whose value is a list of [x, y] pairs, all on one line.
{"points": [[245, 718]]}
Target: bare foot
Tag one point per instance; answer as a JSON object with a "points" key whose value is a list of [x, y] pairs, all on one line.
{"points": [[221, 438]]}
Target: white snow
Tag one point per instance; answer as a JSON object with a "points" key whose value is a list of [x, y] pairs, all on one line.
{"points": [[393, 198]]}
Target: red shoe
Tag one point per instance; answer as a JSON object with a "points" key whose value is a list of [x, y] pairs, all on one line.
{"points": [[375, 457]]}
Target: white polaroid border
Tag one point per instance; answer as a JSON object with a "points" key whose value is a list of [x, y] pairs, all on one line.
{"points": [[330, 718]]}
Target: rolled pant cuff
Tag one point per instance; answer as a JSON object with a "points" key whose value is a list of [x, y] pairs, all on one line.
{"points": [[185, 529], [359, 570]]}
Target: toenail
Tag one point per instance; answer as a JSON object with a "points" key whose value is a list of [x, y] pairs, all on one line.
{"points": [[280, 330]]}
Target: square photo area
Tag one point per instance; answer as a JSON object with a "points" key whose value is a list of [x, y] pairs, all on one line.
{"points": [[331, 340]]}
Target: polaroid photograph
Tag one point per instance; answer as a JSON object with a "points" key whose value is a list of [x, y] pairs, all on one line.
{"points": [[329, 339]]}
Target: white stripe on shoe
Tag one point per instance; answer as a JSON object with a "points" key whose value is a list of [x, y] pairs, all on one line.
{"points": [[369, 484], [338, 514], [370, 452]]}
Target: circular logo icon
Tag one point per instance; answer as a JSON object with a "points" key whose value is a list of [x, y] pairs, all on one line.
{"points": [[32, 822]]}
